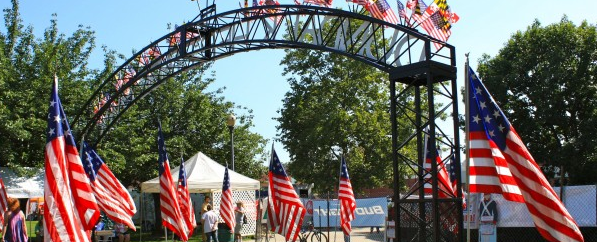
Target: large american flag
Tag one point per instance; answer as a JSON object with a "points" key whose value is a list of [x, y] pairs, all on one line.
{"points": [[346, 198], [285, 209], [112, 196], [226, 203], [184, 200], [380, 9], [169, 206], [70, 207], [443, 179], [500, 163], [3, 202]]}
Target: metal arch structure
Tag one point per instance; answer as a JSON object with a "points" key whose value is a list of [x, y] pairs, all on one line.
{"points": [[403, 52]]}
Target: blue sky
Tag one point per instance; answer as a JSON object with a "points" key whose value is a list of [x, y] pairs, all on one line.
{"points": [[254, 79]]}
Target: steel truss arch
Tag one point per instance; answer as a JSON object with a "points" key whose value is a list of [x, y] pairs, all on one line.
{"points": [[408, 56], [264, 27]]}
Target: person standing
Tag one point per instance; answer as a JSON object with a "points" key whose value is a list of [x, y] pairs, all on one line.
{"points": [[239, 213], [209, 220], [206, 201], [14, 228]]}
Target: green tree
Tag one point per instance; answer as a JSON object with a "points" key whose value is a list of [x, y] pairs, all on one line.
{"points": [[337, 106], [544, 79], [193, 119], [27, 68]]}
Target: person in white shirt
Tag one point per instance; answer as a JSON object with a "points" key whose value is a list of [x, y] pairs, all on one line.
{"points": [[209, 220]]}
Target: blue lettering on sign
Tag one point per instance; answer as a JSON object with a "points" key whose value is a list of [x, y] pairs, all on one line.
{"points": [[369, 212]]}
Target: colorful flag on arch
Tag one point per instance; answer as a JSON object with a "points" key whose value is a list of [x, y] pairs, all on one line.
{"points": [[445, 15], [346, 198], [432, 22], [325, 3], [363, 3], [226, 203], [169, 206], [112, 196], [380, 9], [285, 209], [184, 200], [70, 207], [500, 163], [401, 10]]}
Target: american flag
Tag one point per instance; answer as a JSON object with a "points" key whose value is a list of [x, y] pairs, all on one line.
{"points": [[346, 198], [184, 199], [226, 203], [169, 206], [380, 9], [3, 202], [285, 209], [443, 180], [454, 179], [500, 163], [70, 207], [359, 2], [401, 10], [112, 196], [325, 3]]}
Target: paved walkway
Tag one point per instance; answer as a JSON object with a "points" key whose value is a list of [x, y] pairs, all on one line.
{"points": [[357, 235]]}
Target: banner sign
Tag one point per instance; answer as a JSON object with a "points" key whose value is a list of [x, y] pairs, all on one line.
{"points": [[370, 212], [580, 201]]}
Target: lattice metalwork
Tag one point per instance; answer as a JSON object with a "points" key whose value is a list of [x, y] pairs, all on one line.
{"points": [[248, 198], [272, 27], [421, 98]]}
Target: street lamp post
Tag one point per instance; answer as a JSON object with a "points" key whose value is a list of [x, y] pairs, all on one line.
{"points": [[230, 123]]}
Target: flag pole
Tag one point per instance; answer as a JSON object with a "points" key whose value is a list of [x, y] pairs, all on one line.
{"points": [[467, 147], [338, 192]]}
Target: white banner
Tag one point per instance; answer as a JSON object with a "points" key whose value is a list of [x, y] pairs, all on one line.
{"points": [[579, 200]]}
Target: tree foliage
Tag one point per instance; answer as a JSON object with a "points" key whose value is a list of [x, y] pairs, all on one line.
{"points": [[27, 68], [336, 106], [544, 79], [193, 119]]}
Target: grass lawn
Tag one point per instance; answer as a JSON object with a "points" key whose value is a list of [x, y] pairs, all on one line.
{"points": [[135, 235]]}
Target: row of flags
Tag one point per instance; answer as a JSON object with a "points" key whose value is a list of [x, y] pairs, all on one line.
{"points": [[175, 203], [286, 211], [436, 19], [76, 190]]}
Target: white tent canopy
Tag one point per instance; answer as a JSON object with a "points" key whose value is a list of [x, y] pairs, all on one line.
{"points": [[23, 187], [204, 175]]}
